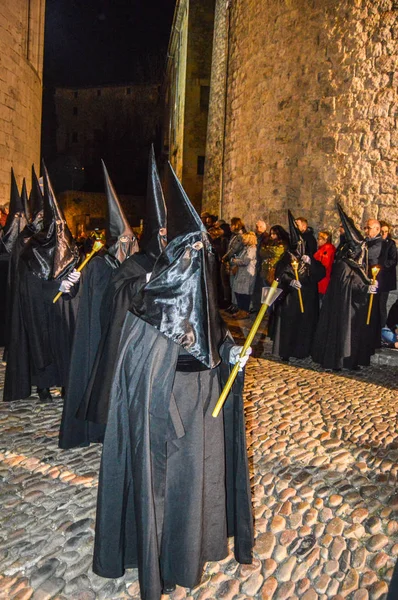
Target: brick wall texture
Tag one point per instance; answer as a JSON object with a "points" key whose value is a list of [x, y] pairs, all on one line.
{"points": [[311, 108], [21, 59]]}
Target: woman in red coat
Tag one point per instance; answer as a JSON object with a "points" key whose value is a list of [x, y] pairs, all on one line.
{"points": [[325, 255]]}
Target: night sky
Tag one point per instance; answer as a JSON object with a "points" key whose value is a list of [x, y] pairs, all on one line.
{"points": [[105, 41]]}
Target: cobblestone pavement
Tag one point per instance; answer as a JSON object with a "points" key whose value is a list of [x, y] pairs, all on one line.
{"points": [[323, 454]]}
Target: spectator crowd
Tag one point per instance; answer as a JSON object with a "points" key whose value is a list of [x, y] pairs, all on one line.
{"points": [[250, 260]]}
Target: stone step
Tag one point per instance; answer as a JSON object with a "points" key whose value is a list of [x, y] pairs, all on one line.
{"points": [[385, 356]]}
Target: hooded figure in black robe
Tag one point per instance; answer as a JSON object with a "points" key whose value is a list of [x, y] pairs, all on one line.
{"points": [[121, 289], [16, 221], [291, 330], [39, 348], [121, 245], [33, 209], [174, 480], [342, 338]]}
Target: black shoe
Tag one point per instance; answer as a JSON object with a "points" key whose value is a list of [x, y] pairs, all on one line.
{"points": [[284, 358], [44, 394], [168, 588], [230, 308], [234, 310]]}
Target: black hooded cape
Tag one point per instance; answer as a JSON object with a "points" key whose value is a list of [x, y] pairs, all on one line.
{"points": [[120, 291], [174, 480], [291, 330], [342, 337]]}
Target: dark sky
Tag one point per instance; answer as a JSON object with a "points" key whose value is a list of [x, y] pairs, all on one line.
{"points": [[105, 41]]}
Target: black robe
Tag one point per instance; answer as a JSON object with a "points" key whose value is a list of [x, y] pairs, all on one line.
{"points": [[174, 480], [291, 330], [42, 333], [342, 338], [93, 284], [4, 264], [117, 299]]}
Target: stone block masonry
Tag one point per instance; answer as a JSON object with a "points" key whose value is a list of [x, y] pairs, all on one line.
{"points": [[309, 91], [21, 59]]}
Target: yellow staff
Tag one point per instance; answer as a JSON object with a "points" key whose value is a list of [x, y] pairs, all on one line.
{"points": [[232, 376], [375, 272], [295, 265], [97, 246]]}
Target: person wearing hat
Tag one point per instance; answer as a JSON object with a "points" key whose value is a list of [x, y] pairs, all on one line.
{"points": [[343, 339], [39, 348], [174, 480], [292, 330]]}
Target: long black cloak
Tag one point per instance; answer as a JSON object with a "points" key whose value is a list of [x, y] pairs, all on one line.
{"points": [[174, 480], [293, 331], [40, 345], [118, 296], [94, 280], [342, 337]]}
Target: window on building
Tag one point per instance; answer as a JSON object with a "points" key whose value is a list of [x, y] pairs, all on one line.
{"points": [[98, 92], [75, 111], [75, 137], [204, 97], [128, 91], [34, 29], [75, 94], [201, 165]]}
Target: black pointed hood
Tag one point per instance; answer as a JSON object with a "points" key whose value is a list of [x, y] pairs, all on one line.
{"points": [[180, 299], [35, 197], [16, 219], [354, 241], [153, 240], [181, 216], [297, 244], [52, 252], [121, 240], [25, 200]]}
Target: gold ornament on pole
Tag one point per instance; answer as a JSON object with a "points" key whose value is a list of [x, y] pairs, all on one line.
{"points": [[375, 272], [97, 246], [295, 266], [272, 295]]}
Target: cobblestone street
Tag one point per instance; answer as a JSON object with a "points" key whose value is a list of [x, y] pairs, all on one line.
{"points": [[323, 450]]}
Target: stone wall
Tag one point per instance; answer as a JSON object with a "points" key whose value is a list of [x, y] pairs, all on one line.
{"points": [[21, 60], [311, 111]]}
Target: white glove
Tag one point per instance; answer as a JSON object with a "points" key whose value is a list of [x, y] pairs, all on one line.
{"points": [[234, 356], [148, 276], [74, 276], [65, 286], [372, 289], [295, 284], [306, 259]]}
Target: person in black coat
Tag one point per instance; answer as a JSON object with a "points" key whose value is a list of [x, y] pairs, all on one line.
{"points": [[291, 330], [121, 244], [40, 344], [388, 274], [307, 233], [343, 339], [174, 480]]}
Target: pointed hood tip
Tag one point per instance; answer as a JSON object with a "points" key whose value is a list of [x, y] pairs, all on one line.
{"points": [[153, 240], [182, 218]]}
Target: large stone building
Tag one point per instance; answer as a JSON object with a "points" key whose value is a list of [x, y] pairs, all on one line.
{"points": [[115, 122], [21, 67], [187, 88], [303, 110]]}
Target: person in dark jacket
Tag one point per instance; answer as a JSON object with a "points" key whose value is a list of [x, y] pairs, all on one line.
{"points": [[291, 330], [388, 274], [235, 246], [343, 339], [307, 233], [374, 243]]}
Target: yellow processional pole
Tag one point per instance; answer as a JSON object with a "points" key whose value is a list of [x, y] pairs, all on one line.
{"points": [[246, 346], [97, 246], [375, 272], [295, 265]]}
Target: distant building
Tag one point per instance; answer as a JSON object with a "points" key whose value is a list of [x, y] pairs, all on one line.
{"points": [[115, 122], [21, 67], [186, 91]]}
